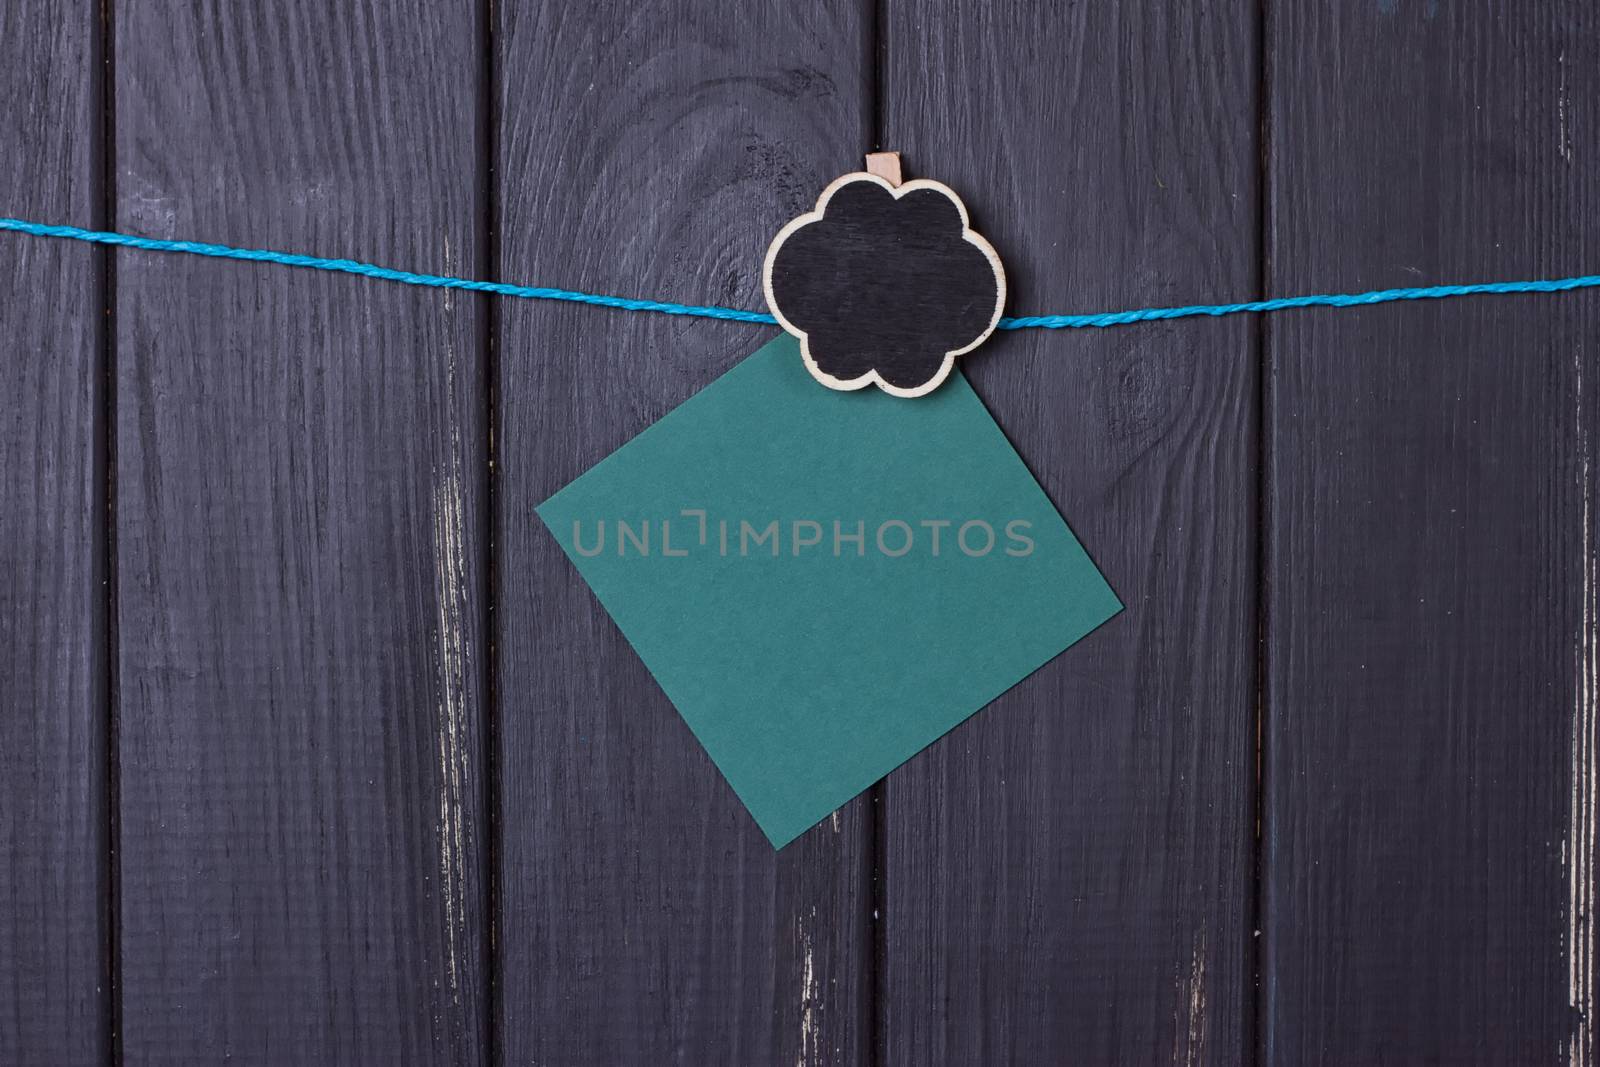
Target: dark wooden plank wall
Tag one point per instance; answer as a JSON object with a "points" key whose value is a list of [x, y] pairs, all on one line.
{"points": [[644, 917], [356, 770], [54, 968], [1071, 869], [300, 528], [1429, 864]]}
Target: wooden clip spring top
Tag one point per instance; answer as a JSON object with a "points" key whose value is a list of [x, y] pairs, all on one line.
{"points": [[885, 165]]}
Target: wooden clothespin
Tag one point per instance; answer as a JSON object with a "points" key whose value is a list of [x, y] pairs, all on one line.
{"points": [[885, 165]]}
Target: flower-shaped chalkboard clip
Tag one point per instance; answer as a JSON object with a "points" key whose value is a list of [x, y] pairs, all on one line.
{"points": [[884, 283]]}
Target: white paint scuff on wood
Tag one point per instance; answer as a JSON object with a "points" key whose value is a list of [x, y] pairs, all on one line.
{"points": [[1563, 132], [453, 662], [1189, 1010], [1578, 849], [810, 1025]]}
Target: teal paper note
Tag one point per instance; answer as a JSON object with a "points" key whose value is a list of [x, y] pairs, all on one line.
{"points": [[809, 661]]}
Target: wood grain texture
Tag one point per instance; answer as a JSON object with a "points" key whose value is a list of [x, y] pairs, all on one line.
{"points": [[645, 917], [1429, 867], [300, 526], [301, 533], [1068, 875], [53, 840]]}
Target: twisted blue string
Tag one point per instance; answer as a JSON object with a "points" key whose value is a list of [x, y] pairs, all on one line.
{"points": [[370, 270], [1334, 300], [707, 311]]}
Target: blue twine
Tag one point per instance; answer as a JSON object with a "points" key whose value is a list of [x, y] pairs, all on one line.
{"points": [[1333, 300], [706, 311], [369, 270]]}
